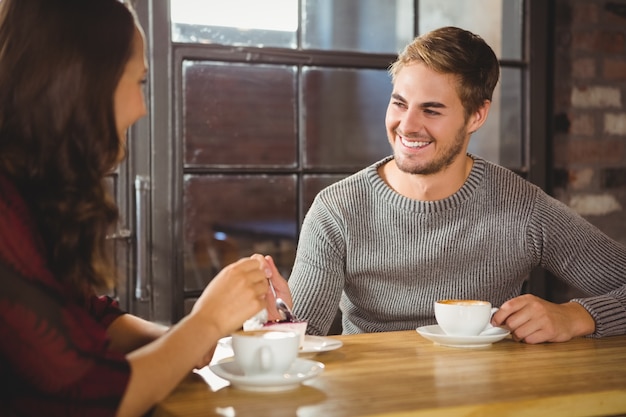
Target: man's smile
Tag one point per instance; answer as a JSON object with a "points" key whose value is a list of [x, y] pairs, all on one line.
{"points": [[413, 143]]}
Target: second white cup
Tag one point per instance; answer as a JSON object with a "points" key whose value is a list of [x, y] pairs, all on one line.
{"points": [[265, 352], [463, 317]]}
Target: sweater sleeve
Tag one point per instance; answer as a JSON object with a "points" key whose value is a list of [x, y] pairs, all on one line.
{"points": [[608, 313], [104, 309], [583, 256], [317, 278]]}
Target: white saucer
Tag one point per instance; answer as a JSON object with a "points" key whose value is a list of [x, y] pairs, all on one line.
{"points": [[320, 344], [436, 335], [312, 344], [301, 370]]}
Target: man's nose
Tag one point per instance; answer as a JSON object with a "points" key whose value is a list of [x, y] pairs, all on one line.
{"points": [[411, 123]]}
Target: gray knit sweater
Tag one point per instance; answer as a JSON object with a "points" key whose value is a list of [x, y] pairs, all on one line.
{"points": [[385, 259]]}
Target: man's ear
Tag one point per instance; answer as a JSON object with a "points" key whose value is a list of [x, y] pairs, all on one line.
{"points": [[479, 117]]}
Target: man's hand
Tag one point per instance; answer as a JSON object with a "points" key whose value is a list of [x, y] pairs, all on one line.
{"points": [[282, 291], [534, 320]]}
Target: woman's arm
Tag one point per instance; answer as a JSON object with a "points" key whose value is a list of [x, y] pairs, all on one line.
{"points": [[129, 333], [235, 294]]}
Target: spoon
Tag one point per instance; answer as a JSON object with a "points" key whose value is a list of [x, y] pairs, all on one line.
{"points": [[281, 306]]}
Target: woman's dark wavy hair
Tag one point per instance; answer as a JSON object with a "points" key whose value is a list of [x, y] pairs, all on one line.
{"points": [[60, 63]]}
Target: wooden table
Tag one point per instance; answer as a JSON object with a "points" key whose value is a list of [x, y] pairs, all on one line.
{"points": [[403, 374]]}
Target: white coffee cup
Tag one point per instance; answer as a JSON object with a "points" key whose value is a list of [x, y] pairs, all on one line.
{"points": [[265, 352], [463, 317]]}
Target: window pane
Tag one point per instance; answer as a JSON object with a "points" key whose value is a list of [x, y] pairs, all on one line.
{"points": [[499, 22], [500, 139], [235, 22], [344, 120], [239, 114], [357, 25], [228, 217], [511, 113]]}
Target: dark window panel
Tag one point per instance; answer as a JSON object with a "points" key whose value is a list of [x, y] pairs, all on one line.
{"points": [[227, 217], [344, 118], [370, 26], [239, 114]]}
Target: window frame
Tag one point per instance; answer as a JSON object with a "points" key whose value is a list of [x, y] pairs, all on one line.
{"points": [[160, 157]]}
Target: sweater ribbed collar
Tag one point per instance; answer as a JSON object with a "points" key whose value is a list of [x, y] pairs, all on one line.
{"points": [[464, 193]]}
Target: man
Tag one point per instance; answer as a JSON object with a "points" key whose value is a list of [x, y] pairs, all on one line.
{"points": [[433, 222]]}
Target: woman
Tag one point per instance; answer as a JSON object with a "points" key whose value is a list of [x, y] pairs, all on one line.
{"points": [[71, 76]]}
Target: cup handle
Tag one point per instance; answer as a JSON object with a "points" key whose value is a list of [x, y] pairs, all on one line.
{"points": [[265, 357], [489, 328]]}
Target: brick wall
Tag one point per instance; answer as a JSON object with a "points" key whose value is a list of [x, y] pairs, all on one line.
{"points": [[590, 111]]}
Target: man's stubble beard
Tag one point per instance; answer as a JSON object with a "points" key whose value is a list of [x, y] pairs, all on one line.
{"points": [[440, 163]]}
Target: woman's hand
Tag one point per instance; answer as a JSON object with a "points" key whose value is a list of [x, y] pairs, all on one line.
{"points": [[237, 293]]}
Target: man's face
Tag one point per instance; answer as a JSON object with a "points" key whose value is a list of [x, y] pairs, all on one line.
{"points": [[426, 124]]}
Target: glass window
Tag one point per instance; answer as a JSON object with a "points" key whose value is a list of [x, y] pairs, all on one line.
{"points": [[235, 22], [499, 22], [500, 138], [344, 121], [510, 115], [227, 217], [372, 26], [239, 114]]}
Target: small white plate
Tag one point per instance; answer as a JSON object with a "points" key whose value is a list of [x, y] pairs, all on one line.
{"points": [[301, 370], [436, 335], [312, 344]]}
